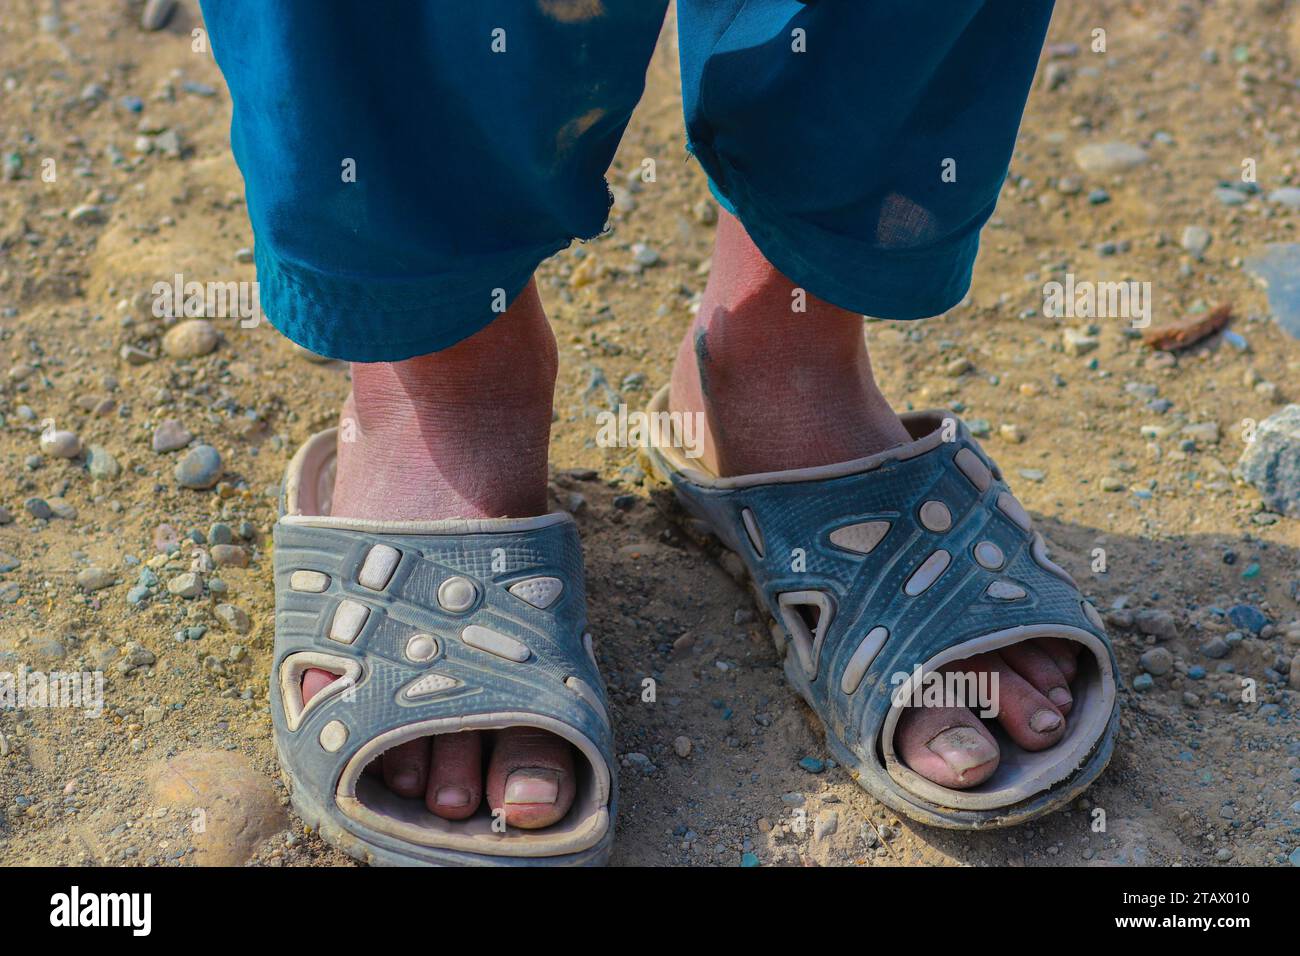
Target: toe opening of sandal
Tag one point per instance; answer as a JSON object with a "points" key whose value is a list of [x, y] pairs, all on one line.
{"points": [[368, 801], [1020, 773]]}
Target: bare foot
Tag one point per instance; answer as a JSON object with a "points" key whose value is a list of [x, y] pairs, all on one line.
{"points": [[462, 433], [781, 389]]}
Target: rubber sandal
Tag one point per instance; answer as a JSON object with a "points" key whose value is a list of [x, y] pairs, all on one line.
{"points": [[433, 627], [882, 570]]}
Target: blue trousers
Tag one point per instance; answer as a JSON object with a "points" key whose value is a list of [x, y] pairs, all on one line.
{"points": [[409, 163]]}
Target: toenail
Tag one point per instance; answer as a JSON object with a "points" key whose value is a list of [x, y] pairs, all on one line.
{"points": [[1045, 721], [532, 786], [406, 780], [962, 748], [1059, 696], [452, 797]]}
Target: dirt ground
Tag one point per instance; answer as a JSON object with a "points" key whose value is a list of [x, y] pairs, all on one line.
{"points": [[1205, 772]]}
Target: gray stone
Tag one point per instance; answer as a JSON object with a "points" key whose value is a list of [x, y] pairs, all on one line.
{"points": [[156, 14], [1215, 648], [233, 618], [1272, 461], [1157, 623], [170, 435], [1278, 269], [101, 464], [87, 215], [187, 585], [1196, 239], [60, 444], [39, 508], [1077, 342], [95, 579], [1106, 159], [1288, 196], [200, 468], [190, 339], [1157, 661]]}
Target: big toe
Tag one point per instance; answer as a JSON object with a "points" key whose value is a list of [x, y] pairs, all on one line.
{"points": [[531, 777], [947, 745], [456, 776], [315, 680]]}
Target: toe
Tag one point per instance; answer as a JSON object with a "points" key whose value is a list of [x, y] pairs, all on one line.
{"points": [[315, 680], [456, 775], [1036, 665], [406, 768], [1065, 653], [531, 777], [947, 745], [1028, 717]]}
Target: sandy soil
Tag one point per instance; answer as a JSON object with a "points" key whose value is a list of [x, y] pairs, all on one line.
{"points": [[1201, 776]]}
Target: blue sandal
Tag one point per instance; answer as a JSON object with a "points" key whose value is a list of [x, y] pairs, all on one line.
{"points": [[432, 627], [882, 570]]}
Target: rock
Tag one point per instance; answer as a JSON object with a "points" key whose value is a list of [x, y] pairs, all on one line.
{"points": [[62, 509], [156, 14], [1293, 675], [229, 556], [1248, 618], [87, 215], [827, 822], [168, 143], [232, 809], [8, 563], [957, 367], [812, 764], [190, 339], [1196, 239], [170, 435], [220, 533], [1278, 269], [1271, 462], [1107, 159], [644, 256], [5, 516], [1143, 682], [60, 444], [1077, 342], [233, 618], [1288, 196], [1156, 623], [1215, 648], [101, 464], [135, 356], [135, 655], [1204, 432], [95, 579], [682, 746], [39, 508], [187, 585], [200, 468], [1158, 661]]}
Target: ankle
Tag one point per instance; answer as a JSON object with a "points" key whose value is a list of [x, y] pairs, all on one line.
{"points": [[459, 433]]}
